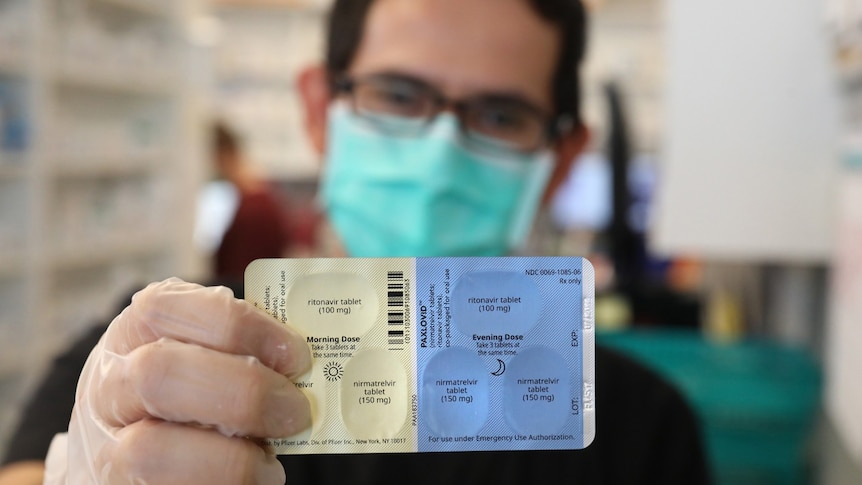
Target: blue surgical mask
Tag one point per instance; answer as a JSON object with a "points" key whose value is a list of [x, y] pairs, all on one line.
{"points": [[426, 195]]}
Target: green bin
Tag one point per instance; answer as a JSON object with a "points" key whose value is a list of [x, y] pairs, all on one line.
{"points": [[757, 400]]}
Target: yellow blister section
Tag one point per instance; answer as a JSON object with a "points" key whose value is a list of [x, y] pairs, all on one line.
{"points": [[354, 315]]}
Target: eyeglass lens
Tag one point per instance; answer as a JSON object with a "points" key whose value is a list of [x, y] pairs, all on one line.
{"points": [[404, 107]]}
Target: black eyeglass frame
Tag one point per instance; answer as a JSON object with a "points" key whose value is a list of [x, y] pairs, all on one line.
{"points": [[554, 125]]}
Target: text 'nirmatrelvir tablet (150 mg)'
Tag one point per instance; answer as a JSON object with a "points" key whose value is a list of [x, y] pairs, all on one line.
{"points": [[438, 354]]}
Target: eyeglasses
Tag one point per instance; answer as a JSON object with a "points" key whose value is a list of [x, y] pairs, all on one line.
{"points": [[402, 106]]}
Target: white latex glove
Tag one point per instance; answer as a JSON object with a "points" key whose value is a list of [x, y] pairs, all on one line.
{"points": [[177, 389]]}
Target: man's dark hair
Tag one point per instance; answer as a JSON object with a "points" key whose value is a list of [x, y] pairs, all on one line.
{"points": [[347, 21]]}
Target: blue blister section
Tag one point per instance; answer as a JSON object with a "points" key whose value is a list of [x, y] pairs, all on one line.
{"points": [[500, 353]]}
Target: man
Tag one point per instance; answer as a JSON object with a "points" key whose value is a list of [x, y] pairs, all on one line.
{"points": [[444, 123]]}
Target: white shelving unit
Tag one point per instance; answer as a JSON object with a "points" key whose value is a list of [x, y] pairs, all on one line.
{"points": [[264, 45], [626, 44], [99, 162]]}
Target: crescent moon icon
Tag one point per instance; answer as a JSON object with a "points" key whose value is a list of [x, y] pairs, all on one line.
{"points": [[501, 367]]}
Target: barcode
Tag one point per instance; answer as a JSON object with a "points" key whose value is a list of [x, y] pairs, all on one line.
{"points": [[395, 309]]}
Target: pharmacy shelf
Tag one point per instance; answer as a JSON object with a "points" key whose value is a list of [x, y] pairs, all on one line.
{"points": [[627, 46], [12, 263], [13, 66], [111, 128], [259, 92], [106, 250], [101, 167], [299, 5], [114, 79], [157, 8], [12, 170], [261, 76]]}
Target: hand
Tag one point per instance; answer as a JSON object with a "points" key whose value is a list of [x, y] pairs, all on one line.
{"points": [[180, 386]]}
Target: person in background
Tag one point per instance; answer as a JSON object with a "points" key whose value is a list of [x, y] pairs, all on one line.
{"points": [[444, 125], [260, 227]]}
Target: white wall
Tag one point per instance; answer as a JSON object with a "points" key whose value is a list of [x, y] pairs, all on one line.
{"points": [[750, 161]]}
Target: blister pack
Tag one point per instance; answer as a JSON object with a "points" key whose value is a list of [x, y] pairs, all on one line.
{"points": [[438, 354]]}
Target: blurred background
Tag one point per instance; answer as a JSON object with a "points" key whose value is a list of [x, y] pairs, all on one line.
{"points": [[720, 199]]}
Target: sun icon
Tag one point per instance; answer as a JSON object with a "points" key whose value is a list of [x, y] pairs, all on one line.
{"points": [[333, 371]]}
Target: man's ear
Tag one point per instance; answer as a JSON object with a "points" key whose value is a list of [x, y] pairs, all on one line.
{"points": [[567, 150], [314, 91]]}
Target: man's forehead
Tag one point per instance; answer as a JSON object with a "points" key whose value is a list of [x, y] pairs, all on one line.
{"points": [[464, 46]]}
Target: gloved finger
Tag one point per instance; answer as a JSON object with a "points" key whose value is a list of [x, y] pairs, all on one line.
{"points": [[210, 317], [186, 383], [156, 452]]}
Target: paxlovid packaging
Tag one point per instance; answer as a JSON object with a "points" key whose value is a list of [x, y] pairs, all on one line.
{"points": [[438, 354]]}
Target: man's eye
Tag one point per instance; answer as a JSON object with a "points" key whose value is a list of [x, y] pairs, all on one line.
{"points": [[398, 98], [402, 102], [495, 120]]}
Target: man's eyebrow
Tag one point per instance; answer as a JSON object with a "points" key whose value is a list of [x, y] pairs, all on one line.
{"points": [[391, 75], [511, 97]]}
